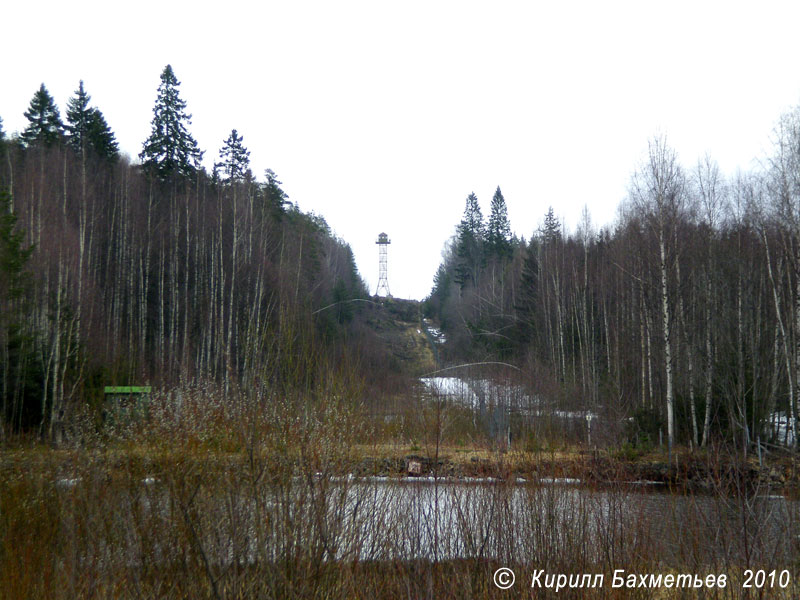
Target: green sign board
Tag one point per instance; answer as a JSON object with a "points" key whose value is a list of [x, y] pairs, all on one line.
{"points": [[126, 403], [127, 389]]}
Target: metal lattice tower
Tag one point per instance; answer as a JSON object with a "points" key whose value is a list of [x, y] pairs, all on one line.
{"points": [[383, 278]]}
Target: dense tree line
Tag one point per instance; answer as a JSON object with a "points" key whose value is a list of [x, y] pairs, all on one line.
{"points": [[684, 314], [116, 272]]}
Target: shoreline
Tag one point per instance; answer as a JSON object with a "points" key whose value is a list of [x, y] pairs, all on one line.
{"points": [[707, 472]]}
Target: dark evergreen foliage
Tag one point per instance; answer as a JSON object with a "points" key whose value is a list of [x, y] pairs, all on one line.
{"points": [[551, 230], [235, 158], [44, 120], [275, 198], [347, 288], [101, 139], [498, 229], [87, 130], [170, 151], [20, 391], [470, 242], [13, 256], [528, 298], [78, 115]]}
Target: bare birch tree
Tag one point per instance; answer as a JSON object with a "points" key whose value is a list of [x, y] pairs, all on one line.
{"points": [[657, 190]]}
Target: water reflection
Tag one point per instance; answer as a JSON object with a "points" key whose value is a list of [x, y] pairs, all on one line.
{"points": [[554, 526], [532, 522]]}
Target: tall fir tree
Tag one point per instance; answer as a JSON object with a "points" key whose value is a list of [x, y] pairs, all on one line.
{"points": [[13, 256], [498, 230], [44, 120], [87, 130], [551, 230], [78, 115], [528, 298], [472, 221], [170, 151], [470, 242], [101, 139], [235, 158], [20, 394], [275, 198]]}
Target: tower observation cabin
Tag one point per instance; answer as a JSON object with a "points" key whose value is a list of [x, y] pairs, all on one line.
{"points": [[383, 278]]}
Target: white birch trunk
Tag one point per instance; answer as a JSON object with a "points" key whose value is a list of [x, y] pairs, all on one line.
{"points": [[667, 342]]}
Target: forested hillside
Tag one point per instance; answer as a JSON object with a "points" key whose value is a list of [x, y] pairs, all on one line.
{"points": [[685, 314], [683, 317], [116, 271]]}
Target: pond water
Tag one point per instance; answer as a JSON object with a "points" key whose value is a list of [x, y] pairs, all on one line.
{"points": [[443, 520], [382, 519]]}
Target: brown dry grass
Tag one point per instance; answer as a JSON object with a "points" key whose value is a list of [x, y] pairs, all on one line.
{"points": [[251, 500]]}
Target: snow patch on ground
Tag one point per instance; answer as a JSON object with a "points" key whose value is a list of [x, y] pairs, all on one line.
{"points": [[453, 388], [476, 392], [435, 333], [783, 434], [483, 393]]}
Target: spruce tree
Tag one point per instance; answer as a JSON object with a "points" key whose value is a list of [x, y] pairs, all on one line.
{"points": [[528, 298], [101, 139], [275, 198], [235, 157], [472, 221], [78, 112], [170, 151], [44, 120], [551, 230], [498, 230], [20, 394], [13, 256], [470, 241], [87, 129]]}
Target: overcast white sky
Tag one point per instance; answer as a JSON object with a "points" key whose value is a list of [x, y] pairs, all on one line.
{"points": [[385, 116]]}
